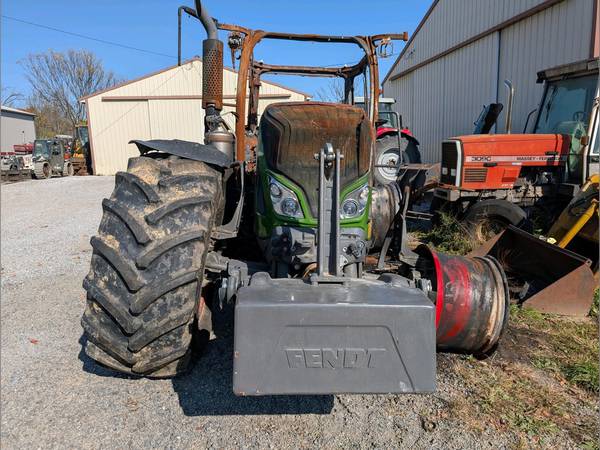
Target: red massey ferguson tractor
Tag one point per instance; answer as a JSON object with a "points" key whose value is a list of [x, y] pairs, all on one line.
{"points": [[493, 180]]}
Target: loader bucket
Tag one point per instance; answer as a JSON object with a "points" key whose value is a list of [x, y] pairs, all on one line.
{"points": [[546, 277]]}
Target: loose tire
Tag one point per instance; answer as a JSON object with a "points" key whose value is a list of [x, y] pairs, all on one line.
{"points": [[143, 288]]}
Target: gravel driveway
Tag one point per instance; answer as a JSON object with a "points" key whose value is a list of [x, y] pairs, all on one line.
{"points": [[54, 396]]}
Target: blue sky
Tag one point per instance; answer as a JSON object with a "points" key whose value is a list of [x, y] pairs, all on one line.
{"points": [[152, 25]]}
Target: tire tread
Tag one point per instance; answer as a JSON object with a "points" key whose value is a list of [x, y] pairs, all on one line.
{"points": [[146, 265]]}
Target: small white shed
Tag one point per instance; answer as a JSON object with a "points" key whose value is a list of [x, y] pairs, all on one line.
{"points": [[163, 105]]}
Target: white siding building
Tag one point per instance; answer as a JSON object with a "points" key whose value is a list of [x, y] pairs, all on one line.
{"points": [[463, 50], [16, 127], [162, 105]]}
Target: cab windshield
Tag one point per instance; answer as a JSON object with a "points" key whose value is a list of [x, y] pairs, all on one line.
{"points": [[567, 105], [386, 117], [41, 148]]}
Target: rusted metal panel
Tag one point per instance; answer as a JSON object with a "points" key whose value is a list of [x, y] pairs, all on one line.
{"points": [[293, 132]]}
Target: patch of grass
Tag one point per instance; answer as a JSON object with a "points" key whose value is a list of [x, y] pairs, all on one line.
{"points": [[511, 399], [526, 316], [582, 373], [572, 347], [591, 445], [449, 236], [542, 384], [545, 363]]}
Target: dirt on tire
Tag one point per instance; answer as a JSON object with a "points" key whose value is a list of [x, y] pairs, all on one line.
{"points": [[147, 264]]}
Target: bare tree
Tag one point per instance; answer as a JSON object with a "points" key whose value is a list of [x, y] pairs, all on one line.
{"points": [[48, 120], [10, 97], [59, 80], [333, 91]]}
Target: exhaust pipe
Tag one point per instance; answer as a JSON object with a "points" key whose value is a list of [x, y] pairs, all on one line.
{"points": [[212, 67], [511, 95], [180, 11]]}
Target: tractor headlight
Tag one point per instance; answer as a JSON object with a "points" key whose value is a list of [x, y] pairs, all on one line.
{"points": [[285, 202], [355, 202]]}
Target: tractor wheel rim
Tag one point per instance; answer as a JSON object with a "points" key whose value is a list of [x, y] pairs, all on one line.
{"points": [[389, 158]]}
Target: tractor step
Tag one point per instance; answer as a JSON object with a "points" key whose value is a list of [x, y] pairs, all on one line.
{"points": [[355, 336]]}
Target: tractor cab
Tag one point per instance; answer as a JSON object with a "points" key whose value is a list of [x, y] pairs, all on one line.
{"points": [[569, 107], [388, 119], [50, 157], [50, 150]]}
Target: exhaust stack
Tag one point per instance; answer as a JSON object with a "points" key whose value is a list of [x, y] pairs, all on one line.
{"points": [[511, 95], [212, 67]]}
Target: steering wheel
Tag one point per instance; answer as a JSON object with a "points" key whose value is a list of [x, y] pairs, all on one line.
{"points": [[578, 116]]}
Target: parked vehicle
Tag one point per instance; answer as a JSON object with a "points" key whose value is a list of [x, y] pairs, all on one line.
{"points": [[396, 147], [50, 158], [279, 220], [492, 180], [80, 151]]}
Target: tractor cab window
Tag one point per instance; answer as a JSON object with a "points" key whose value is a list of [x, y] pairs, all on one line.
{"points": [[566, 109], [385, 107], [595, 144], [567, 106], [55, 148], [41, 149], [386, 117]]}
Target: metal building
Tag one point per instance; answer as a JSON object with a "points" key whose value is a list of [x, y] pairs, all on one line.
{"points": [[163, 105], [463, 50], [16, 127]]}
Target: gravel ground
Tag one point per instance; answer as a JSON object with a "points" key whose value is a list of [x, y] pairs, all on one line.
{"points": [[52, 395]]}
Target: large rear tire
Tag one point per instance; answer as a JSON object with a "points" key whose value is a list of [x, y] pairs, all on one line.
{"points": [[487, 218], [143, 288]]}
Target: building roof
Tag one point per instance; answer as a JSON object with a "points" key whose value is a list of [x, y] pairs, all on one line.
{"points": [[17, 111], [407, 45], [189, 61]]}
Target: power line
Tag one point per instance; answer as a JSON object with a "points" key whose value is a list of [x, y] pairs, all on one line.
{"points": [[83, 36], [129, 47]]}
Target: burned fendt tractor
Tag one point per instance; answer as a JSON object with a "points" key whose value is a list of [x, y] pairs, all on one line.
{"points": [[282, 220]]}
